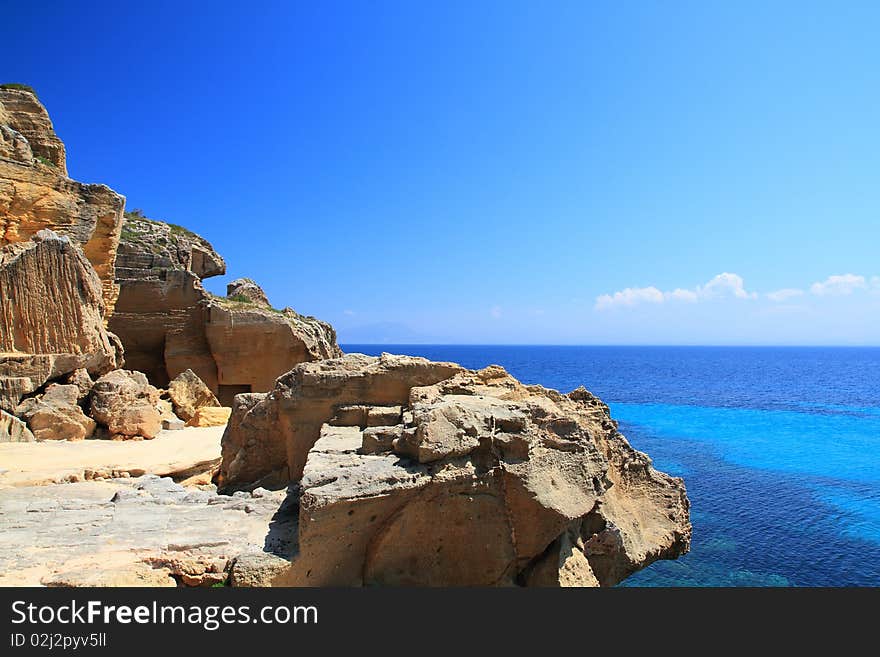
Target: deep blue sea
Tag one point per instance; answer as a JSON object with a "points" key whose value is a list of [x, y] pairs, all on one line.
{"points": [[779, 449]]}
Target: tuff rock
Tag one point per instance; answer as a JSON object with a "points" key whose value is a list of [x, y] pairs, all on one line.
{"points": [[36, 193], [51, 316], [169, 323], [480, 481]]}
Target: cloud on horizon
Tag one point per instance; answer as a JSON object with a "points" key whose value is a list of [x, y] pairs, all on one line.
{"points": [[725, 285], [839, 285], [732, 286]]}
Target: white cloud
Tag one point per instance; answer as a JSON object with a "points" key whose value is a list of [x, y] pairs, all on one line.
{"points": [[723, 285], [720, 286], [630, 296], [839, 285], [785, 294], [682, 295], [349, 312], [495, 311]]}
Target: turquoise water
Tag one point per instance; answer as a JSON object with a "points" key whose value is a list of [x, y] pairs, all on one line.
{"points": [[779, 448]]}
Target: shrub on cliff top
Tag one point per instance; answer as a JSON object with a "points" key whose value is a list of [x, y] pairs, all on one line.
{"points": [[19, 86]]}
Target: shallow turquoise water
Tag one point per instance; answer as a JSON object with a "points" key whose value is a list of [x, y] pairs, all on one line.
{"points": [[779, 448]]}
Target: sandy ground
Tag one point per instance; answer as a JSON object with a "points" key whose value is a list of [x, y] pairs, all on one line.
{"points": [[172, 453], [105, 513]]}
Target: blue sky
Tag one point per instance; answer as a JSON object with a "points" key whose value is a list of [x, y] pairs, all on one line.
{"points": [[495, 172]]}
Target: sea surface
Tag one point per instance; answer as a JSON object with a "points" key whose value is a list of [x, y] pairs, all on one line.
{"points": [[779, 449]]}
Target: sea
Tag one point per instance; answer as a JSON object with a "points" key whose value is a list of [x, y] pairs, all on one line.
{"points": [[779, 449]]}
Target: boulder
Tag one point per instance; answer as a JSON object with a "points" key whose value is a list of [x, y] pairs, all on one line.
{"points": [[256, 569], [268, 436], [126, 404], [169, 323], [13, 430], [189, 393], [36, 194], [81, 379], [56, 414], [210, 416], [482, 481]]}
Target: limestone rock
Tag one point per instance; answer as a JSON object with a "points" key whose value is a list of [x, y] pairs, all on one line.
{"points": [[482, 482], [126, 404], [257, 569], [247, 291], [35, 192], [252, 346], [56, 415], [51, 301], [13, 430], [189, 393], [210, 416], [169, 323], [269, 436], [25, 114], [155, 245], [51, 316]]}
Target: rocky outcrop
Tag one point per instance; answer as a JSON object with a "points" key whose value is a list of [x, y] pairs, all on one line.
{"points": [[188, 393], [125, 404], [269, 435], [169, 323], [36, 194], [51, 316], [247, 291], [21, 112], [418, 473]]}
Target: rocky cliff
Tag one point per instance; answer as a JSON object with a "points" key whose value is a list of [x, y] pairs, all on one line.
{"points": [[410, 472], [35, 192], [51, 316], [168, 322]]}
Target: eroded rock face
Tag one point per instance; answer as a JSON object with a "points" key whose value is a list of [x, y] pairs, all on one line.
{"points": [[127, 405], [269, 435], [169, 323], [461, 478], [36, 194], [23, 113], [51, 316]]}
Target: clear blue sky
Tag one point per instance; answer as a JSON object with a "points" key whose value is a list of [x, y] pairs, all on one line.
{"points": [[495, 172]]}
